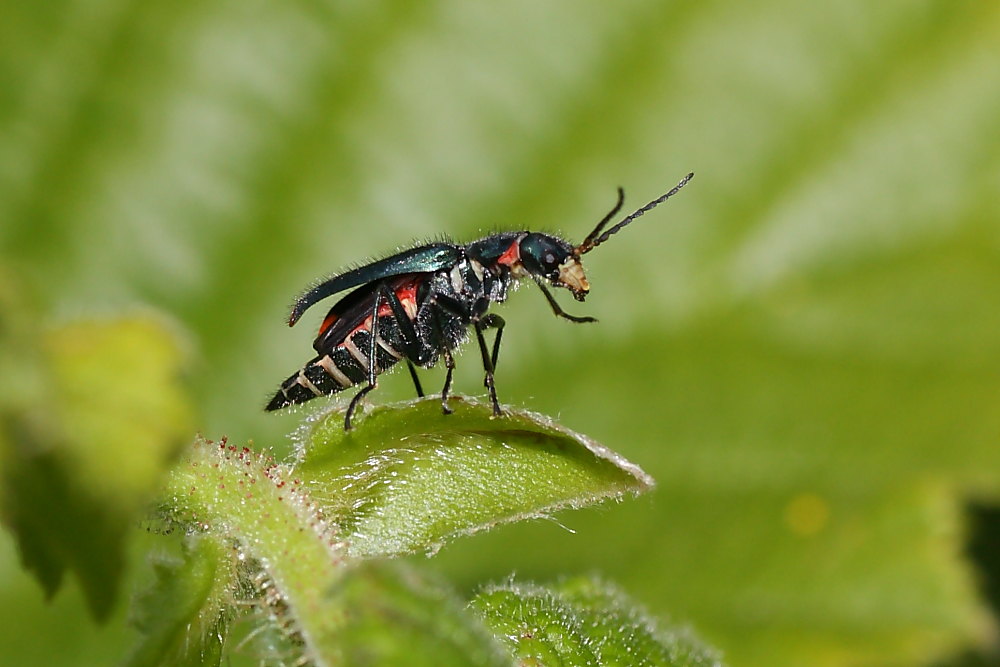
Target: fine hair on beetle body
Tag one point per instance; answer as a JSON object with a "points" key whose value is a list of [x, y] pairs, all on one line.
{"points": [[420, 304]]}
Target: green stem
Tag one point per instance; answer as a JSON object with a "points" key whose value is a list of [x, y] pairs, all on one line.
{"points": [[240, 495]]}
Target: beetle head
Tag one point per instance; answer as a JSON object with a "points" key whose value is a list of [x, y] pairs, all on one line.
{"points": [[546, 257], [553, 259]]}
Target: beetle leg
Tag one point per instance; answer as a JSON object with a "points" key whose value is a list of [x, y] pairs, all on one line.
{"points": [[492, 321], [454, 306], [413, 348], [372, 363], [489, 362], [557, 309], [449, 362], [488, 367], [416, 380]]}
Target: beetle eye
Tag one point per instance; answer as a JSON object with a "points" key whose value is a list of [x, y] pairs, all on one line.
{"points": [[542, 255]]}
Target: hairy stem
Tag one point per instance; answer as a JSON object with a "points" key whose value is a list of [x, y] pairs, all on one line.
{"points": [[243, 497]]}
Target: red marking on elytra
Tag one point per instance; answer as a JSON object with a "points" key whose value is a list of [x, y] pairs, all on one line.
{"points": [[511, 255], [327, 323], [406, 292]]}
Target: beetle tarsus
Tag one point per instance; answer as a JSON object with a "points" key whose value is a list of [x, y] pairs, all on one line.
{"points": [[354, 404]]}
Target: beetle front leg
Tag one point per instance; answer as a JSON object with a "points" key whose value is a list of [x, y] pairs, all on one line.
{"points": [[557, 309]]}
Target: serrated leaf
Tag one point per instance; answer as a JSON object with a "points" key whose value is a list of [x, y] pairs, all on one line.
{"points": [[397, 616], [407, 478], [93, 418], [584, 622], [184, 616]]}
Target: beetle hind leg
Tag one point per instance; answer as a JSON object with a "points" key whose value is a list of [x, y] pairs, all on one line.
{"points": [[372, 364]]}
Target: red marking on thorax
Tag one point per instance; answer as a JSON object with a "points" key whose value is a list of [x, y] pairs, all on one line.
{"points": [[511, 255]]}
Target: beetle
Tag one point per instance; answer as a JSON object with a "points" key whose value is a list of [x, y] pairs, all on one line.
{"points": [[418, 306]]}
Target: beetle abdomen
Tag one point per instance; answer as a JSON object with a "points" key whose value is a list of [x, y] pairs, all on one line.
{"points": [[345, 365]]}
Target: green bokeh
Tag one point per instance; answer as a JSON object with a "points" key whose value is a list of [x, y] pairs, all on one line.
{"points": [[801, 348]]}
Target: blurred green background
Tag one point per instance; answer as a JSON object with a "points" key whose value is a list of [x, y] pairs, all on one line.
{"points": [[801, 347]]}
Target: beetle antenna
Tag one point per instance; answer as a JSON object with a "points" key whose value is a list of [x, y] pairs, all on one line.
{"points": [[587, 242], [590, 242]]}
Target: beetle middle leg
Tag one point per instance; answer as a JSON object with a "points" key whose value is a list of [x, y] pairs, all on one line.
{"points": [[492, 321], [480, 321], [488, 366], [416, 380], [449, 358], [413, 349]]}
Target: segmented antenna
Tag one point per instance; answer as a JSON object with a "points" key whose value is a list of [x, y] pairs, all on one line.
{"points": [[590, 242], [587, 242]]}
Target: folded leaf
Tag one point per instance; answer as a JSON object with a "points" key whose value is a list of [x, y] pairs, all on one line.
{"points": [[408, 477]]}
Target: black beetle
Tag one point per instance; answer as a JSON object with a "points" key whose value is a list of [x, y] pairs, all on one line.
{"points": [[418, 305]]}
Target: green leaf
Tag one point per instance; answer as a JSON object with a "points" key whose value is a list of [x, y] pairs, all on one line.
{"points": [[91, 416], [184, 616], [584, 622], [809, 331], [330, 612], [408, 478], [820, 522], [396, 616]]}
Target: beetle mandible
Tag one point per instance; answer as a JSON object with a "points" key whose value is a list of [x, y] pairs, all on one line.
{"points": [[419, 304]]}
